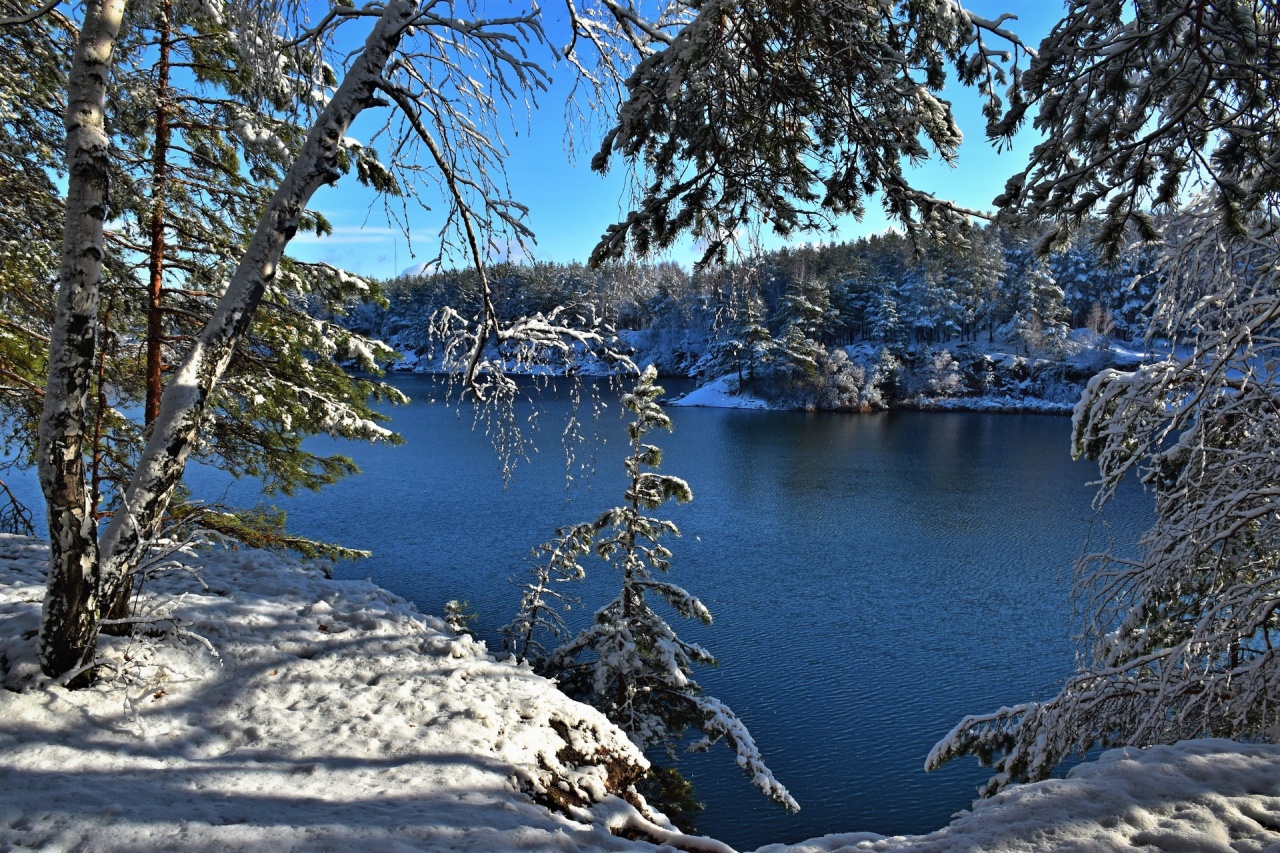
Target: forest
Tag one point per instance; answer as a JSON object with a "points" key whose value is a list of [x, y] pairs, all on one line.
{"points": [[859, 325], [157, 158]]}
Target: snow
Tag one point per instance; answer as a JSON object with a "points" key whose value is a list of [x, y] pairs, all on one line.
{"points": [[720, 394], [1199, 795], [1003, 403], [578, 361], [283, 710], [321, 715]]}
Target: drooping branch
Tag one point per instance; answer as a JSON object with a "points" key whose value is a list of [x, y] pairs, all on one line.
{"points": [[33, 15], [1177, 637], [750, 115]]}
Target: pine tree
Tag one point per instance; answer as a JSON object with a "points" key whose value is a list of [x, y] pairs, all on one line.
{"points": [[798, 356], [190, 172], [200, 161], [924, 302], [969, 267], [887, 327], [807, 307], [1040, 321], [541, 602], [31, 138], [630, 663], [746, 347], [789, 113]]}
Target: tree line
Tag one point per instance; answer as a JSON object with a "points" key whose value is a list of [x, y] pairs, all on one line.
{"points": [[775, 319]]}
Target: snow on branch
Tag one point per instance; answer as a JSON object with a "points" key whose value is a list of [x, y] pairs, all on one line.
{"points": [[797, 97], [1178, 640], [719, 721], [541, 602], [629, 662]]}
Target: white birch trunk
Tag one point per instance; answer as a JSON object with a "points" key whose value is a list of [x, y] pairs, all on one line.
{"points": [[68, 623], [85, 574]]}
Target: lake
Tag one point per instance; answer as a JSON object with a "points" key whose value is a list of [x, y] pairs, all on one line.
{"points": [[873, 578]]}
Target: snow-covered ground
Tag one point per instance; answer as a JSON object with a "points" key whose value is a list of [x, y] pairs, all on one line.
{"points": [[1201, 796], [721, 394], [718, 394], [331, 715]]}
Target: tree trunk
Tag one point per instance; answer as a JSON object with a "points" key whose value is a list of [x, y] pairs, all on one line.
{"points": [[69, 618], [176, 428], [159, 186], [70, 621], [117, 607]]}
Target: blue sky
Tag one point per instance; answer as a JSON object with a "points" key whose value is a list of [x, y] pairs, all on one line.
{"points": [[570, 206]]}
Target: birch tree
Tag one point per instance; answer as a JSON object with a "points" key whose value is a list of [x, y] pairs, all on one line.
{"points": [[1162, 117], [188, 168], [441, 80], [70, 614]]}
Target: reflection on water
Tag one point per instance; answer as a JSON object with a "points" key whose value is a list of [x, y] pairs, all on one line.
{"points": [[873, 578]]}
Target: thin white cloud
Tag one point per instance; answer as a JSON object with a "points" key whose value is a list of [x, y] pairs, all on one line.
{"points": [[347, 235]]}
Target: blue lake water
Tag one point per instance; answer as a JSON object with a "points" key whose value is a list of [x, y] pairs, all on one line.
{"points": [[873, 577]]}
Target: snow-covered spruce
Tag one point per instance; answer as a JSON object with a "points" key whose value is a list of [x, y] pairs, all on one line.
{"points": [[630, 663]]}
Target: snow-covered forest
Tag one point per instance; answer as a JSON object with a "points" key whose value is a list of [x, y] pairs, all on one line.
{"points": [[970, 315], [158, 156]]}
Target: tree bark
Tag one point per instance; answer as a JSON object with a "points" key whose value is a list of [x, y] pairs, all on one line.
{"points": [[117, 606], [69, 617], [159, 187], [84, 572], [176, 428]]}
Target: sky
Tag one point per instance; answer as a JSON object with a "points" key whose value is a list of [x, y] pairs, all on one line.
{"points": [[570, 206]]}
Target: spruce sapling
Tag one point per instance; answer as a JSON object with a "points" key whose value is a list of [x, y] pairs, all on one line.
{"points": [[629, 663]]}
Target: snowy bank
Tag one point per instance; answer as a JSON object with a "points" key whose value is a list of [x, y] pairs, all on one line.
{"points": [[331, 715], [1207, 796], [1002, 404], [321, 715], [719, 394]]}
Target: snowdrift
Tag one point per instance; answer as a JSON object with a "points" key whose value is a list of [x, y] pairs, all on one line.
{"points": [[321, 714]]}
